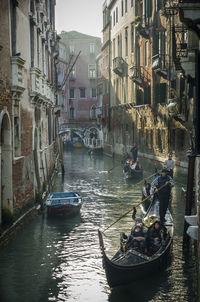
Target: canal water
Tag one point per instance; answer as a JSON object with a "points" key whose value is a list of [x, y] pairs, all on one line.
{"points": [[60, 259]]}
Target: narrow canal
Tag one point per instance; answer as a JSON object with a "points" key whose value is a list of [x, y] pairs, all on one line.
{"points": [[60, 260]]}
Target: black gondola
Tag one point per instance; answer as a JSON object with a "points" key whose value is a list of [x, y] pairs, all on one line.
{"points": [[131, 265], [131, 172]]}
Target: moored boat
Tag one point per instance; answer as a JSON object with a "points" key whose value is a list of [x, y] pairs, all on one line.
{"points": [[130, 265], [67, 203]]}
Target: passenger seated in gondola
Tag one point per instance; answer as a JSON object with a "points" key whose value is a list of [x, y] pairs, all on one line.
{"points": [[127, 166], [137, 239], [137, 166], [154, 237]]}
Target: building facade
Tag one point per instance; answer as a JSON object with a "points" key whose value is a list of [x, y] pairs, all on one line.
{"points": [[80, 108], [147, 87], [27, 81]]}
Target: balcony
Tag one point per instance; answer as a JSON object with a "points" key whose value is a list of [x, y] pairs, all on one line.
{"points": [[159, 65], [17, 66], [142, 27], [179, 45], [36, 82], [40, 87], [170, 7], [140, 76], [118, 66]]}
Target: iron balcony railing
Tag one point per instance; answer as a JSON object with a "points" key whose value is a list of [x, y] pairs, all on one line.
{"points": [[118, 66], [140, 75]]}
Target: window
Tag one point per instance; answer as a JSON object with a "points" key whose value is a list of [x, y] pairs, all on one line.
{"points": [[94, 92], [72, 74], [32, 44], [38, 49], [126, 41], [113, 48], [71, 112], [122, 5], [16, 132], [132, 37], [126, 6], [116, 14], [91, 48], [146, 53], [82, 93], [71, 93], [113, 18], [92, 71], [119, 42], [71, 49], [131, 3]]}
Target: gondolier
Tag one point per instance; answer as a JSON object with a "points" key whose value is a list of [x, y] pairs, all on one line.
{"points": [[169, 164], [164, 193], [134, 152]]}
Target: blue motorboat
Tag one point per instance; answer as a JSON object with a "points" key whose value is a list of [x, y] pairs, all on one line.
{"points": [[67, 203]]}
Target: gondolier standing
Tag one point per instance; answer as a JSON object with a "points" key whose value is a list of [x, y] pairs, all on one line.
{"points": [[134, 152], [169, 164], [164, 193]]}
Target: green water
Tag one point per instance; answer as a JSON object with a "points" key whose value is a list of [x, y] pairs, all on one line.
{"points": [[60, 259]]}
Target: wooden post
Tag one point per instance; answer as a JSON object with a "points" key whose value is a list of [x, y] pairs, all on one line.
{"points": [[61, 156], [189, 194]]}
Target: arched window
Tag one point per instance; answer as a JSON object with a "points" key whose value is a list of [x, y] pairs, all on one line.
{"points": [[93, 112], [71, 112]]}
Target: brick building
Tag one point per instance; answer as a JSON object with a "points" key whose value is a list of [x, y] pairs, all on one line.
{"points": [[27, 79], [81, 96]]}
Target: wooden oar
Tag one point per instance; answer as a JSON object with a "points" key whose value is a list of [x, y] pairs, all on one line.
{"points": [[138, 183], [137, 205], [114, 167]]}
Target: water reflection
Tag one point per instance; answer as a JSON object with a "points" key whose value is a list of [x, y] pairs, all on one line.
{"points": [[60, 260]]}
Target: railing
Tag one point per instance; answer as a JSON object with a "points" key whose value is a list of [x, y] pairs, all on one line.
{"points": [[159, 62], [140, 75], [118, 65], [40, 85], [93, 143]]}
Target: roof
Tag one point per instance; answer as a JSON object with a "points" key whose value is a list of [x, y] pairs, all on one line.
{"points": [[76, 35]]}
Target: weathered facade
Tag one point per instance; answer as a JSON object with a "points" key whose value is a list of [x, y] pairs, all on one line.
{"points": [[80, 98], [27, 80], [154, 82], [147, 95], [189, 12]]}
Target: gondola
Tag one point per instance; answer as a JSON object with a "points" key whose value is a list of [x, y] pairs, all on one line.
{"points": [[131, 173], [126, 267], [65, 203]]}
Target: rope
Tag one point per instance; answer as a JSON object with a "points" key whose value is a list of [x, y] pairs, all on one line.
{"points": [[139, 203]]}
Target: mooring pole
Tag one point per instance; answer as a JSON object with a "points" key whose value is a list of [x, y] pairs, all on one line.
{"points": [[189, 193]]}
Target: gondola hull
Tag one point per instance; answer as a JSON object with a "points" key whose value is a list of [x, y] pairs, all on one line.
{"points": [[132, 174], [131, 266], [119, 275]]}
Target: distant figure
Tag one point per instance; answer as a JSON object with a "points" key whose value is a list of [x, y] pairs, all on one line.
{"points": [[163, 194], [134, 152], [169, 164]]}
